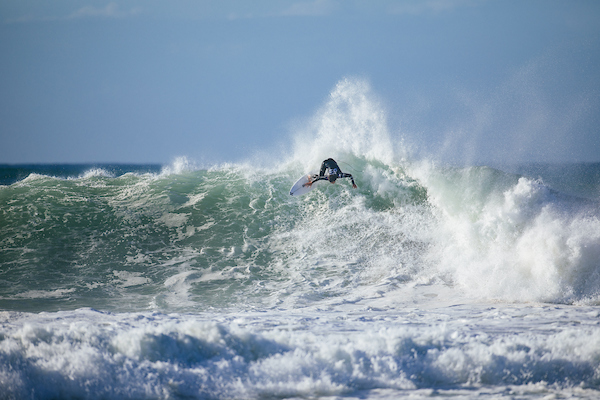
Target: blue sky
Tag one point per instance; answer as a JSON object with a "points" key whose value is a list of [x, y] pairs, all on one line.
{"points": [[147, 81]]}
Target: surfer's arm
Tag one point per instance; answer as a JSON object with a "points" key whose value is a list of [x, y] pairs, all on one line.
{"points": [[313, 179], [345, 175]]}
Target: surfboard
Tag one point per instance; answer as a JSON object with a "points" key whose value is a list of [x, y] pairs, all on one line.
{"points": [[299, 189]]}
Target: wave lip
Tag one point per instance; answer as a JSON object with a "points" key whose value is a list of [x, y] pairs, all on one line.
{"points": [[10, 174]]}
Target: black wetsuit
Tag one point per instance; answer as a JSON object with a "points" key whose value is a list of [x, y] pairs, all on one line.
{"points": [[334, 169]]}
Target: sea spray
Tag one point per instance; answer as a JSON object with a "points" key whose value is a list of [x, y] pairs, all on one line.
{"points": [[351, 124], [513, 238]]}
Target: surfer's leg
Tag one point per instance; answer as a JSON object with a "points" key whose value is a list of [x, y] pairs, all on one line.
{"points": [[323, 168]]}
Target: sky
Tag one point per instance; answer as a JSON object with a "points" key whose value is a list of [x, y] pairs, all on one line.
{"points": [[146, 81]]}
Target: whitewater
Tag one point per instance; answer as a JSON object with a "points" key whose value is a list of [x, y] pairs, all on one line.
{"points": [[212, 282]]}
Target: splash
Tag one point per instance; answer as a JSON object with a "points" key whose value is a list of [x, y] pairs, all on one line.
{"points": [[179, 165], [512, 238], [352, 124]]}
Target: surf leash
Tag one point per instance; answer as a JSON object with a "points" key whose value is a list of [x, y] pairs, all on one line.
{"points": [[351, 167]]}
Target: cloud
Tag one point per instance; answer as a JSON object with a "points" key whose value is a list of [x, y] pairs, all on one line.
{"points": [[419, 7], [111, 10], [314, 8]]}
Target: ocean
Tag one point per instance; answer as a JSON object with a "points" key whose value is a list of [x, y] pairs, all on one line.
{"points": [[186, 281]]}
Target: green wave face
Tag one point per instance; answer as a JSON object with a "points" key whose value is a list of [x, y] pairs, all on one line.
{"points": [[193, 239]]}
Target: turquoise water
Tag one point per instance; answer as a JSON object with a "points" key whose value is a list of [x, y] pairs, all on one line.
{"points": [[111, 241]]}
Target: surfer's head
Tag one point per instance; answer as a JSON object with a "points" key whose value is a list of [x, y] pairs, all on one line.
{"points": [[332, 178]]}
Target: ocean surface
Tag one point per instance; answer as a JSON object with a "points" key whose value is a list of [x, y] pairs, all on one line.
{"points": [[187, 281]]}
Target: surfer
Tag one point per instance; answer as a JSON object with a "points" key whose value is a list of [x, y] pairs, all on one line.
{"points": [[330, 171]]}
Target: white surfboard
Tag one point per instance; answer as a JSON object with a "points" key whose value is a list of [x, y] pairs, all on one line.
{"points": [[299, 187]]}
